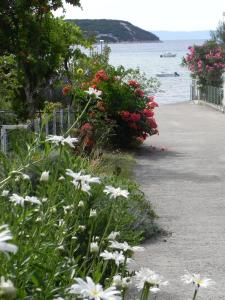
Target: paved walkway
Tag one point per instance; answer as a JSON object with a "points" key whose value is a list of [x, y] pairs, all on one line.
{"points": [[186, 185]]}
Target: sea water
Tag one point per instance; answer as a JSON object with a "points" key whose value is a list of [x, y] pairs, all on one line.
{"points": [[146, 56]]}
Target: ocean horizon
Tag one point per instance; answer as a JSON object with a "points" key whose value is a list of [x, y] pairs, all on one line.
{"points": [[146, 57]]}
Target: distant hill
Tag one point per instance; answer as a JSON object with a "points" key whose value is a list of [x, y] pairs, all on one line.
{"points": [[183, 35], [114, 31]]}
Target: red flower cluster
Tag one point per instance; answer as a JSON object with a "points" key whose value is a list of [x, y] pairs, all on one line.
{"points": [[148, 112], [100, 76], [66, 89], [134, 84], [132, 117], [86, 127], [139, 92]]}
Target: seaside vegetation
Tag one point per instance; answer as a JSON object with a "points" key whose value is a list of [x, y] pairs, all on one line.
{"points": [[70, 208], [72, 215], [207, 62]]}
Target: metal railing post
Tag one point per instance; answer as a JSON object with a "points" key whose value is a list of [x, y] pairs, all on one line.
{"points": [[3, 140], [223, 100]]}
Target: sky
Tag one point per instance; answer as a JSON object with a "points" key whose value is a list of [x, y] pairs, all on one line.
{"points": [[173, 15]]}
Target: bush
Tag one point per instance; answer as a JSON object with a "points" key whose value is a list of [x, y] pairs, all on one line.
{"points": [[206, 63], [121, 112]]}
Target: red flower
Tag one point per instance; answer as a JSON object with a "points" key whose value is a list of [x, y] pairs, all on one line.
{"points": [[135, 117], [66, 89], [134, 83], [148, 113], [151, 98], [152, 104], [86, 127], [139, 92], [101, 75], [152, 123], [125, 115]]}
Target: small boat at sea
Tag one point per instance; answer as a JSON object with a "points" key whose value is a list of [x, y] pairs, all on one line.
{"points": [[168, 54], [175, 74]]}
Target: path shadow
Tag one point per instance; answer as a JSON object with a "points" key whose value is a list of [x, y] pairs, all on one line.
{"points": [[156, 153]]}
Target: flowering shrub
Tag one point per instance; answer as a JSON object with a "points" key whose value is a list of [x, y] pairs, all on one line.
{"points": [[206, 63], [121, 113]]}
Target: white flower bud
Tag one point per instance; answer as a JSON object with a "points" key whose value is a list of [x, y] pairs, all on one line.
{"points": [[81, 227], [81, 204], [93, 213], [5, 193], [7, 289], [94, 247], [44, 176]]}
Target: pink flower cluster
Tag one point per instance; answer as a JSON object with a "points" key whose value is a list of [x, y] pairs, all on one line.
{"points": [[205, 59]]}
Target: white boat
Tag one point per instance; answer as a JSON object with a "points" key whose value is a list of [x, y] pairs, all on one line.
{"points": [[168, 54], [175, 74]]}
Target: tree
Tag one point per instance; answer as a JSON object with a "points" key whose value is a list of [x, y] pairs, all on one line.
{"points": [[40, 43], [219, 34]]}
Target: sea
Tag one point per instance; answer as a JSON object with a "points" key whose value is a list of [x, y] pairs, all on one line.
{"points": [[146, 56]]}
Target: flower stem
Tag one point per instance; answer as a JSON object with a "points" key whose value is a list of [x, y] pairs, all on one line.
{"points": [[195, 294]]}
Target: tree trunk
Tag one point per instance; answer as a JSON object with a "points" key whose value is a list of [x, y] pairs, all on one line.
{"points": [[30, 101]]}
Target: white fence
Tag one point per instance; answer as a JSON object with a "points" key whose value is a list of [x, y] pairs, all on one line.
{"points": [[55, 123], [209, 95]]}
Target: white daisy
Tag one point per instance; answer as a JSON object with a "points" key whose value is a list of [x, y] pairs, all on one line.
{"points": [[17, 199], [149, 276], [20, 200], [92, 91], [197, 280], [54, 139], [6, 235], [69, 141], [118, 257], [113, 235], [90, 290], [32, 199], [58, 139], [82, 181], [125, 246], [120, 282], [115, 192]]}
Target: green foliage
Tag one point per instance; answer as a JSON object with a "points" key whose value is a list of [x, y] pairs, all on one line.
{"points": [[40, 44], [53, 247], [9, 83], [219, 34]]}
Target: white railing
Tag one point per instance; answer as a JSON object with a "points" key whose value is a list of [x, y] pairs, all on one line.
{"points": [[55, 123], [210, 95]]}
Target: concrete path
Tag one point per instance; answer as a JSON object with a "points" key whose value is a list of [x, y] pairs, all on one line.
{"points": [[186, 185]]}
